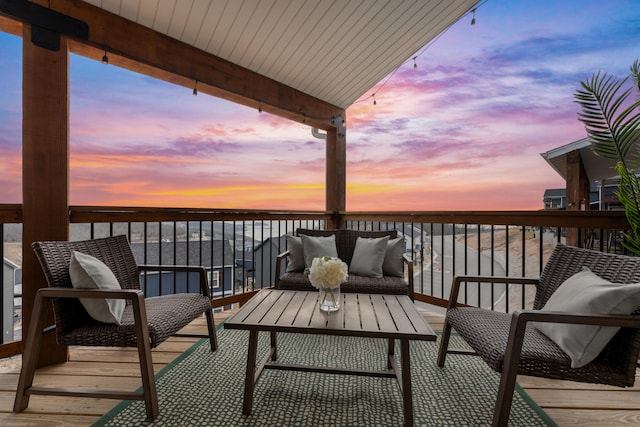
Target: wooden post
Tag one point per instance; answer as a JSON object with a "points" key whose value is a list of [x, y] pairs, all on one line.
{"points": [[45, 169], [577, 190], [336, 175]]}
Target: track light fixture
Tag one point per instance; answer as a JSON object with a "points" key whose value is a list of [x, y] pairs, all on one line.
{"points": [[195, 88], [259, 107], [473, 19], [105, 58], [415, 64]]}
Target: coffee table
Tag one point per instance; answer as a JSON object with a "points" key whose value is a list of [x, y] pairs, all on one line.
{"points": [[393, 317]]}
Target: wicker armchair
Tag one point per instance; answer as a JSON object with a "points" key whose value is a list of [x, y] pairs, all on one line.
{"points": [[510, 344], [145, 324]]}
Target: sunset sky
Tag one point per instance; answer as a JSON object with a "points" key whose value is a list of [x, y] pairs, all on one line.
{"points": [[463, 131]]}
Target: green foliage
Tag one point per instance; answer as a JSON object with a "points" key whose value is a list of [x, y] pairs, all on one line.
{"points": [[612, 122]]}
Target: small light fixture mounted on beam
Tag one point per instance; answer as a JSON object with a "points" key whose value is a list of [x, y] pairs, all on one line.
{"points": [[473, 19], [105, 58], [259, 107], [415, 64], [195, 88]]}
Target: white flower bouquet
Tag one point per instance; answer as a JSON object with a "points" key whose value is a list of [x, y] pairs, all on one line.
{"points": [[327, 274]]}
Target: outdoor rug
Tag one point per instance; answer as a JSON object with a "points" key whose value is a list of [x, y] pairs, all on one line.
{"points": [[201, 388]]}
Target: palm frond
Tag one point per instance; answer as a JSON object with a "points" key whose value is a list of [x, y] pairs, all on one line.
{"points": [[628, 193], [635, 76], [611, 129]]}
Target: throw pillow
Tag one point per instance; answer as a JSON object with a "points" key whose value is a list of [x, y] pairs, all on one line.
{"points": [[368, 256], [296, 256], [88, 272], [585, 292], [392, 265], [315, 246]]}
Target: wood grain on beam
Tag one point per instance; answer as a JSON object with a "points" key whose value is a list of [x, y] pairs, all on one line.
{"points": [[45, 168]]}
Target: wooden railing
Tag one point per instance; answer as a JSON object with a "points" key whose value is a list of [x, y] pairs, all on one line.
{"points": [[442, 244]]}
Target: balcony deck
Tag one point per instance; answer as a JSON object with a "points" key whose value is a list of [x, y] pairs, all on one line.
{"points": [[568, 403]]}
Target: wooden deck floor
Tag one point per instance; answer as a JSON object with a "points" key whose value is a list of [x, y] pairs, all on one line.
{"points": [[566, 402]]}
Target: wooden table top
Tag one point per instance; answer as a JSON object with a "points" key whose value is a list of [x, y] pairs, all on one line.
{"points": [[367, 315]]}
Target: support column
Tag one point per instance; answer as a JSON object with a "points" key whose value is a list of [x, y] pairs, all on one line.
{"points": [[577, 190], [336, 173], [45, 169]]}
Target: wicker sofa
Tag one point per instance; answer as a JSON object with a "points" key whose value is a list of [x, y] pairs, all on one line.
{"points": [[392, 280]]}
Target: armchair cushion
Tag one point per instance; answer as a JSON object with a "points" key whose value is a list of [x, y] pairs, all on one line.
{"points": [[296, 255], [392, 265], [88, 272], [368, 256], [585, 292], [316, 246]]}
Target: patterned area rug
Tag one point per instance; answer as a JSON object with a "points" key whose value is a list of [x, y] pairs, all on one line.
{"points": [[201, 388]]}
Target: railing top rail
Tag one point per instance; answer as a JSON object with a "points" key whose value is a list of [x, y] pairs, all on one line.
{"points": [[12, 213], [543, 218]]}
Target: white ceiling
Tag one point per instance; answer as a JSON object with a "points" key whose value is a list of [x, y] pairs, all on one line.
{"points": [[335, 50]]}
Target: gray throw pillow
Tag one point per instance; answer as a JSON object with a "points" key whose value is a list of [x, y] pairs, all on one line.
{"points": [[296, 256], [368, 256], [316, 246], [88, 272], [392, 265], [585, 292]]}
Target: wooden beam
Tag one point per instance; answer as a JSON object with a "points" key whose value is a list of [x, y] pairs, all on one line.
{"points": [[577, 191], [336, 175], [45, 168], [148, 52], [10, 26]]}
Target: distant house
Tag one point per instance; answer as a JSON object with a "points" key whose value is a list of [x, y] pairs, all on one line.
{"points": [[599, 172], [216, 256], [555, 198], [600, 197], [265, 260], [245, 270]]}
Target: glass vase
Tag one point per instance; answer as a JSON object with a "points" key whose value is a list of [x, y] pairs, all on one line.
{"points": [[329, 299]]}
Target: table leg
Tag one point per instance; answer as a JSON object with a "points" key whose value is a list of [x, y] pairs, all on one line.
{"points": [[391, 352], [249, 379], [274, 347], [407, 395]]}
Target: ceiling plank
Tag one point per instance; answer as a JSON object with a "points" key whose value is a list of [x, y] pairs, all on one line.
{"points": [[145, 51]]}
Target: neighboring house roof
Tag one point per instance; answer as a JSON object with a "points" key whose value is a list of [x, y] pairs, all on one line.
{"points": [[10, 264], [555, 192], [333, 50], [279, 243], [596, 167], [199, 253]]}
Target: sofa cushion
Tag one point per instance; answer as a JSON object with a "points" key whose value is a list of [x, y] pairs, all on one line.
{"points": [[392, 265], [313, 247], [368, 256], [346, 238], [296, 255], [354, 283]]}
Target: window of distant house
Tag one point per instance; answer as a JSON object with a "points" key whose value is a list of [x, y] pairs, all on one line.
{"points": [[214, 279]]}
